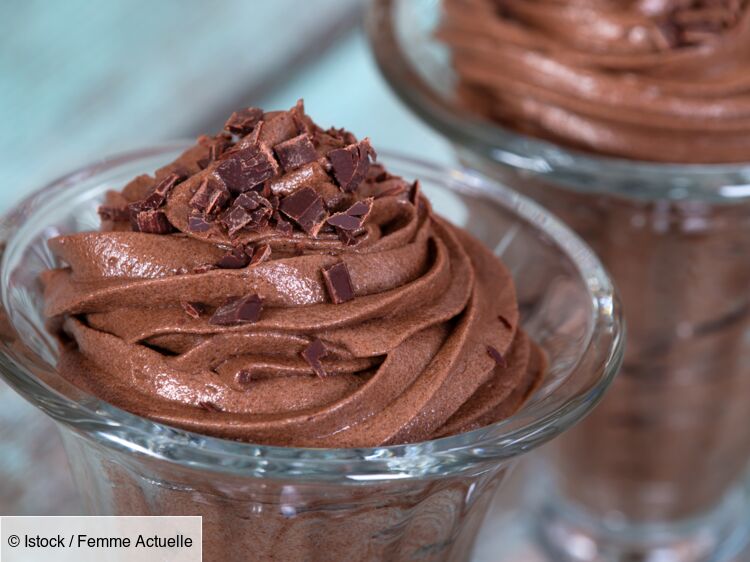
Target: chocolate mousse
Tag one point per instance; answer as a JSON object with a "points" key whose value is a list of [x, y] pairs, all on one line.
{"points": [[667, 82], [276, 285], [643, 79]]}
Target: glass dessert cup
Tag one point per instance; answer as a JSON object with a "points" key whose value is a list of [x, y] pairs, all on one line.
{"points": [[656, 472], [424, 501]]}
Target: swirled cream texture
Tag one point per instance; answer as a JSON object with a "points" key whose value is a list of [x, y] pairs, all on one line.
{"points": [[660, 80], [274, 286]]}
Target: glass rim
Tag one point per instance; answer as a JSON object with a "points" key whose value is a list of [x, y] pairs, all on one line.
{"points": [[517, 149], [130, 433]]}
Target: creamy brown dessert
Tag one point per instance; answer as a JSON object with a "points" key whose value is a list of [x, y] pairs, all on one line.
{"points": [[656, 80], [273, 285]]}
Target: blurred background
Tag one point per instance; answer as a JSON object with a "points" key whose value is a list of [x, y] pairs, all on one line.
{"points": [[80, 80]]}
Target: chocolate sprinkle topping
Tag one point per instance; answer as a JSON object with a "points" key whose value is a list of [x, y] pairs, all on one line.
{"points": [[497, 356], [505, 322], [313, 353], [210, 197], [243, 121], [193, 309], [350, 164], [295, 152], [243, 310], [203, 268], [260, 254], [153, 222], [159, 194], [198, 223], [237, 258], [338, 282], [243, 377], [354, 217], [236, 219], [246, 168], [306, 208], [209, 406]]}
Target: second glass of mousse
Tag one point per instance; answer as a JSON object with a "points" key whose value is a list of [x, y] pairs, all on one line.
{"points": [[275, 331], [631, 122]]}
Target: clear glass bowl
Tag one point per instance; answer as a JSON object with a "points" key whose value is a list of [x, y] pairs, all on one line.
{"points": [[658, 468], [422, 501]]}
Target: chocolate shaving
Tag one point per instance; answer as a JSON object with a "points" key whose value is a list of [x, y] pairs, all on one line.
{"points": [[198, 223], [237, 258], [153, 222], [305, 207], [350, 164], [193, 309], [347, 237], [246, 168], [160, 193], [243, 377], [243, 121], [313, 353], [115, 214], [338, 282], [497, 356], [283, 227], [236, 219], [261, 217], [505, 322], [260, 254], [209, 406], [250, 200], [210, 197], [244, 310], [415, 192], [354, 217], [295, 152], [203, 268]]}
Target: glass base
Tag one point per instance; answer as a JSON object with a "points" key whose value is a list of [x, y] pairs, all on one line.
{"points": [[568, 534], [532, 527]]}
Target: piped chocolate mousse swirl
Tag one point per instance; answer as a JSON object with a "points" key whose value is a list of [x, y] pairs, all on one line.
{"points": [[276, 285], [661, 80]]}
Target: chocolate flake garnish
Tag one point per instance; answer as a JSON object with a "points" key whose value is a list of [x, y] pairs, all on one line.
{"points": [[295, 152], [203, 268], [160, 193], [246, 168], [354, 217], [115, 214], [350, 164], [153, 222], [338, 282], [415, 192], [283, 226], [209, 406], [250, 200], [505, 322], [198, 223], [497, 356], [313, 353], [243, 310], [235, 259], [210, 197], [236, 219], [260, 254], [243, 121], [244, 377], [193, 309], [347, 237], [305, 207]]}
